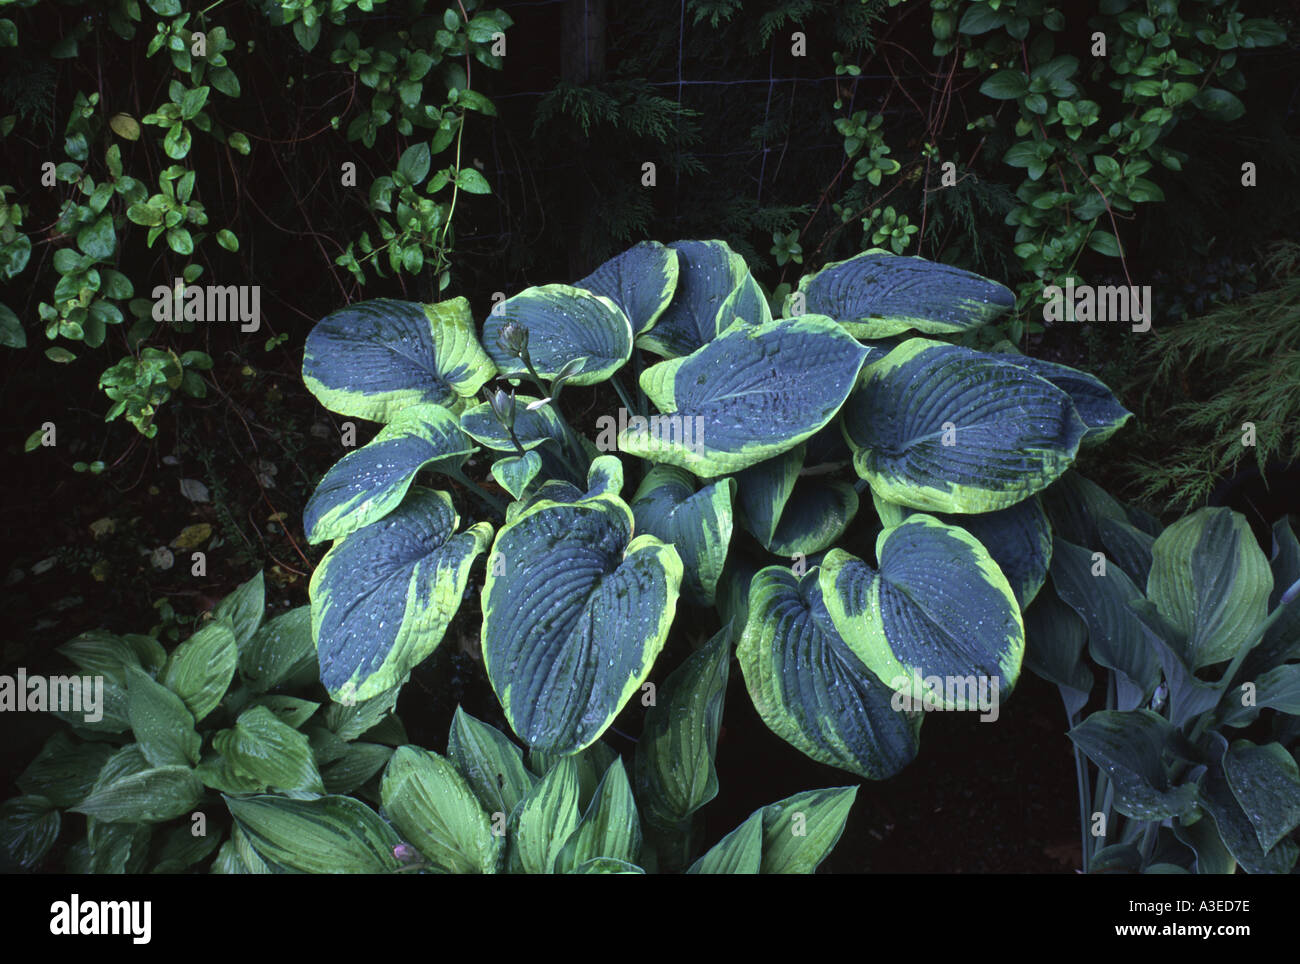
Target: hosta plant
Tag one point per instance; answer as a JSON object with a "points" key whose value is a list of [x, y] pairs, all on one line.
{"points": [[730, 480], [1188, 639]]}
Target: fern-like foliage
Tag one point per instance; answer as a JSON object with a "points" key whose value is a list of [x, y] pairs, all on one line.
{"points": [[1205, 379]]}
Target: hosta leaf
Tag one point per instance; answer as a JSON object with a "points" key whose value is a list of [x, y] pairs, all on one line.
{"points": [[281, 651], [244, 607], [544, 820], [144, 796], [800, 831], [641, 281], [200, 669], [810, 688], [947, 429], [938, 607], [490, 763], [64, 771], [269, 752], [814, 517], [610, 828], [697, 524], [876, 294], [1266, 783], [532, 428], [162, 724], [1096, 404], [574, 613], [1054, 641], [1128, 746], [675, 773], [1019, 538], [606, 865], [739, 852], [328, 835], [515, 473], [366, 485], [746, 303], [1210, 579], [1282, 640], [29, 825], [1241, 832], [563, 323], [1116, 637], [750, 394], [382, 598], [763, 491], [372, 359], [708, 271], [436, 811], [359, 762]]}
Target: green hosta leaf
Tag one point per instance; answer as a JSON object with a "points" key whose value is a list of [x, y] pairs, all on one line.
{"points": [[64, 770], [1241, 831], [707, 272], [200, 669], [366, 485], [564, 323], [938, 620], [810, 688], [943, 428], [349, 721], [382, 598], [1266, 783], [875, 295], [1116, 638], [372, 359], [289, 710], [641, 281], [698, 524], [751, 394], [245, 607], [544, 820], [1019, 538], [491, 764], [149, 795], [161, 722], [799, 832], [436, 811], [329, 835], [182, 850], [610, 828], [516, 473], [280, 652], [1282, 640], [606, 865], [1210, 579], [359, 762], [269, 752], [739, 852], [1128, 745], [29, 825], [1054, 641], [574, 613], [675, 772]]}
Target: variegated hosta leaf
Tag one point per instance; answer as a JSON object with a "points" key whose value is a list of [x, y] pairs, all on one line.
{"points": [[604, 478], [641, 281], [1211, 580], [532, 428], [809, 686], [382, 598], [365, 485], [947, 429], [752, 393], [544, 820], [491, 764], [1095, 403], [698, 524], [708, 272], [372, 359], [574, 613], [514, 473], [938, 617], [746, 303], [791, 513], [435, 810], [876, 294], [610, 828], [563, 323], [791, 836], [1018, 538], [328, 835]]}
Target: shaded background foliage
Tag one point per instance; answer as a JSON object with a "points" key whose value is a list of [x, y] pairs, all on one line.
{"points": [[742, 133]]}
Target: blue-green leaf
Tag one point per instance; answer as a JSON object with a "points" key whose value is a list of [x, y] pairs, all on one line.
{"points": [[938, 620], [372, 359], [698, 524], [947, 429], [382, 598], [365, 485], [564, 323], [574, 613], [876, 294], [752, 393], [708, 272], [1095, 403], [809, 686], [641, 281]]}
